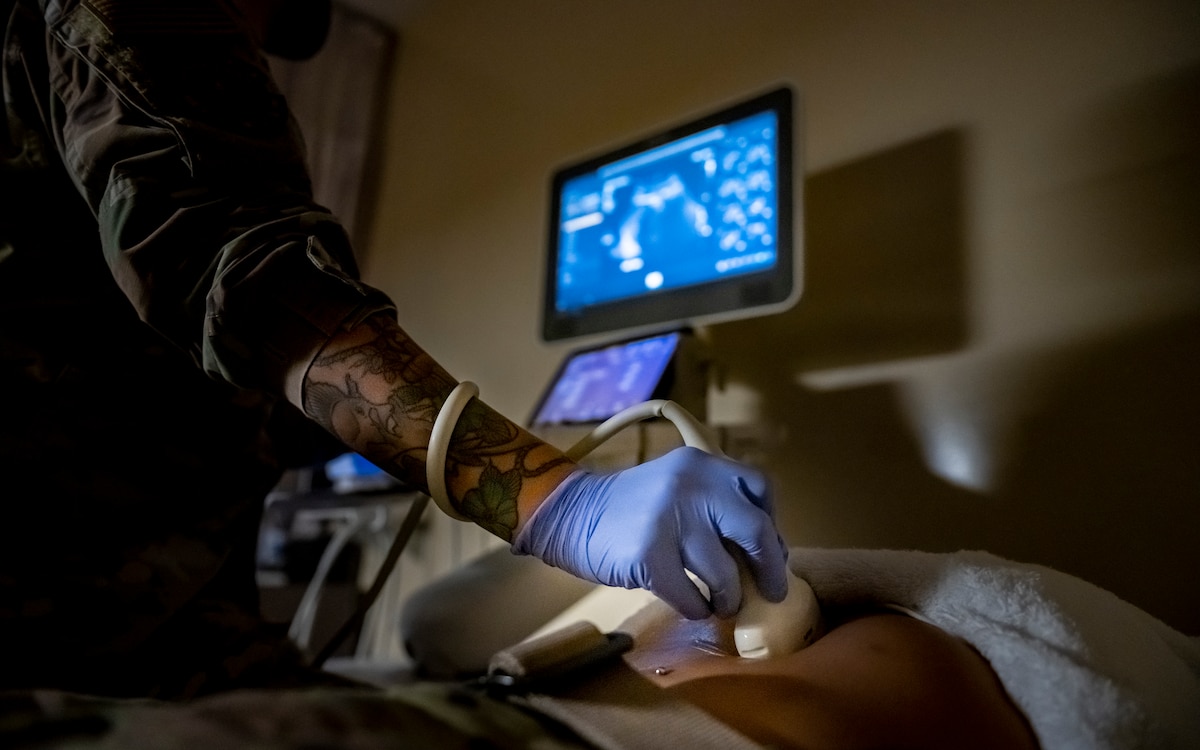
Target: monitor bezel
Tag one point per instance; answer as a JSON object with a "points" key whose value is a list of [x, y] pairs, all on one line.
{"points": [[737, 296]]}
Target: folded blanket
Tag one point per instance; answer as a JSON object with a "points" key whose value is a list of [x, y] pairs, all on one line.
{"points": [[1088, 669]]}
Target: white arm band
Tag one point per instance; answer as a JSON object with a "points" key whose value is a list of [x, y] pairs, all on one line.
{"points": [[439, 445]]}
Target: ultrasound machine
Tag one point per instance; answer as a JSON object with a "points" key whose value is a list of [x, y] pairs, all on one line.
{"points": [[651, 241]]}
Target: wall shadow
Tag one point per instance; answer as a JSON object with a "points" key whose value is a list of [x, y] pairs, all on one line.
{"points": [[884, 274], [884, 279], [1099, 472], [1104, 479], [1104, 475]]}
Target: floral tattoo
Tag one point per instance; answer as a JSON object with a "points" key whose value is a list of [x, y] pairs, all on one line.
{"points": [[381, 396]]}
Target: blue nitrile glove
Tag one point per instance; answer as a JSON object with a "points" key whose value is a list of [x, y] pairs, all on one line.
{"points": [[641, 527]]}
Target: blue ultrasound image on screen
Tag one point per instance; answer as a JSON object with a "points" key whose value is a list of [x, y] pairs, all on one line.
{"points": [[690, 211], [596, 384]]}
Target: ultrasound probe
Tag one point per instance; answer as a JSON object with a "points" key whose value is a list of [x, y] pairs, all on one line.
{"points": [[762, 628]]}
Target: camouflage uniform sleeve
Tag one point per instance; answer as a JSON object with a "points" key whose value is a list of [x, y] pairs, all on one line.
{"points": [[167, 118]]}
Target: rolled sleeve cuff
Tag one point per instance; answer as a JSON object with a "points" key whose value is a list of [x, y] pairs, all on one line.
{"points": [[266, 324]]}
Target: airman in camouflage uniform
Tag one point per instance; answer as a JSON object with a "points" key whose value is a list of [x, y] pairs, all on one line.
{"points": [[153, 200]]}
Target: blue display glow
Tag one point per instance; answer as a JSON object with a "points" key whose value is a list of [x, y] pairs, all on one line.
{"points": [[595, 384], [696, 209]]}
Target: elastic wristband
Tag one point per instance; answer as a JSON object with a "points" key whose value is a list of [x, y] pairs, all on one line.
{"points": [[439, 445]]}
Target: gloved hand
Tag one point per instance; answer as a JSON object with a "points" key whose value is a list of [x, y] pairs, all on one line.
{"points": [[641, 527]]}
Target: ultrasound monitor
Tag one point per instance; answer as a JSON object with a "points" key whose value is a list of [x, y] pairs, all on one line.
{"points": [[597, 382], [690, 225]]}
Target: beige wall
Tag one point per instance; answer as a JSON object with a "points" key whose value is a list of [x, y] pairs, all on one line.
{"points": [[1030, 389]]}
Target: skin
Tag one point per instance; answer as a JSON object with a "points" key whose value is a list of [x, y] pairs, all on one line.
{"points": [[875, 680], [379, 393]]}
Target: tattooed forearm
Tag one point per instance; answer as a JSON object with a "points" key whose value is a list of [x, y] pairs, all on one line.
{"points": [[385, 351], [506, 455], [379, 393]]}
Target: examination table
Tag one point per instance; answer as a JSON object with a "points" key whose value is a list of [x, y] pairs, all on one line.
{"points": [[1087, 669]]}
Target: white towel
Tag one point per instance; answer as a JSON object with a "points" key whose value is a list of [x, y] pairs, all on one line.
{"points": [[1088, 669]]}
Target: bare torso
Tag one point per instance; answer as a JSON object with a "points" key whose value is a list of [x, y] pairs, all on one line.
{"points": [[876, 680]]}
